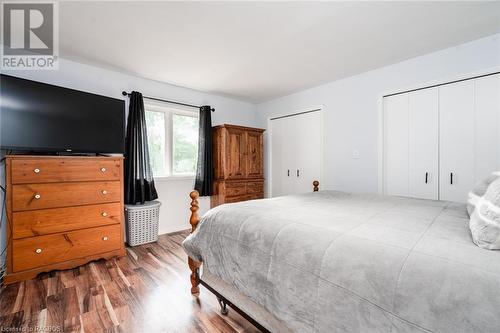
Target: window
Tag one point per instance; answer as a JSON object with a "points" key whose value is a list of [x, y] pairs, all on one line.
{"points": [[172, 140]]}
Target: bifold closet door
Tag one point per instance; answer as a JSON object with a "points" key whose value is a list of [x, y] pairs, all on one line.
{"points": [[308, 151], [423, 136], [487, 133], [396, 127], [296, 145], [456, 137]]}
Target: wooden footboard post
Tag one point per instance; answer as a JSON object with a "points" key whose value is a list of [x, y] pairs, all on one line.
{"points": [[194, 265], [315, 186]]}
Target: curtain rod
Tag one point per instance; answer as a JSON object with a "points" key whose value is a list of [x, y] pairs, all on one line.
{"points": [[124, 93]]}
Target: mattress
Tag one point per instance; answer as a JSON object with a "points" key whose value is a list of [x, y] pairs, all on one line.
{"points": [[338, 262]]}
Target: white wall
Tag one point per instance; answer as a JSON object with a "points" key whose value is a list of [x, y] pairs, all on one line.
{"points": [[351, 108], [173, 193]]}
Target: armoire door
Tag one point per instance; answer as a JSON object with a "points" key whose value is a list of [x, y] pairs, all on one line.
{"points": [[396, 158], [236, 153], [423, 144], [456, 137], [255, 158]]}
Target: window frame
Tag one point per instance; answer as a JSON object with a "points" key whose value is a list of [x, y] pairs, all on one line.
{"points": [[169, 113]]}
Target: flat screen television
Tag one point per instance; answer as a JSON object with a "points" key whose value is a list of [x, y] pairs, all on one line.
{"points": [[39, 117]]}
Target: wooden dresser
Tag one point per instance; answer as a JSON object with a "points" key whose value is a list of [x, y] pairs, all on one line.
{"points": [[62, 212], [239, 164]]}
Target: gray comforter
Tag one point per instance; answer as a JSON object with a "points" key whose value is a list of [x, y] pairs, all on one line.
{"points": [[339, 262]]}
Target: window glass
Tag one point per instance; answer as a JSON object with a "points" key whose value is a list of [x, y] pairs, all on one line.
{"points": [[155, 123], [185, 144]]}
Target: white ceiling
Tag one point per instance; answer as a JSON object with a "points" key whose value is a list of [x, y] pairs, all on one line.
{"points": [[257, 51]]}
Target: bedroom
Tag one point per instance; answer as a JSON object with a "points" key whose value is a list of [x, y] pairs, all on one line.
{"points": [[393, 107]]}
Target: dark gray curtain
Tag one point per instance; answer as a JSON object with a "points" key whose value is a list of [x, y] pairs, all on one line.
{"points": [[205, 165], [139, 182]]}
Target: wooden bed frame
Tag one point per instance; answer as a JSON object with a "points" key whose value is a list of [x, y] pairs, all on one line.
{"points": [[194, 265]]}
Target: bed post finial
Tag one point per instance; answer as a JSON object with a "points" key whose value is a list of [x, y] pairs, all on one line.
{"points": [[316, 186], [194, 265], [194, 195]]}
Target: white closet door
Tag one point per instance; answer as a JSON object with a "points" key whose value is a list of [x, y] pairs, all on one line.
{"points": [[277, 173], [487, 141], [456, 112], [396, 145], [308, 151], [296, 153], [423, 144], [291, 139]]}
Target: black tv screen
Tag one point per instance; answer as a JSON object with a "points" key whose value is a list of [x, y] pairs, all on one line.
{"points": [[40, 117]]}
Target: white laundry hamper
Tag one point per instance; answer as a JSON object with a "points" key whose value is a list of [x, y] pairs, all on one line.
{"points": [[142, 222]]}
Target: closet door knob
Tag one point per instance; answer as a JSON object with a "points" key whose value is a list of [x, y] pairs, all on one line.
{"points": [[298, 173], [451, 178], [426, 177], [38, 251], [105, 238], [36, 170], [104, 192], [103, 169], [37, 196], [104, 214], [288, 172]]}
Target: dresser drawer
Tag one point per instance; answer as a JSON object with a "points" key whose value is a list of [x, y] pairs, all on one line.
{"points": [[50, 249], [40, 196], [255, 187], [53, 170], [235, 188], [50, 221]]}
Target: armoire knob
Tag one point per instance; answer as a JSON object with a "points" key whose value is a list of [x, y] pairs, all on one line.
{"points": [[104, 192], [37, 196], [105, 238], [38, 251], [104, 214], [103, 169], [36, 170]]}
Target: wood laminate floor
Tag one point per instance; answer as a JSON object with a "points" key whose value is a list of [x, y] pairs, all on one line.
{"points": [[146, 291]]}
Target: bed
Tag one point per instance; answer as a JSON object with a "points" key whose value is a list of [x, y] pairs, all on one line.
{"points": [[331, 261]]}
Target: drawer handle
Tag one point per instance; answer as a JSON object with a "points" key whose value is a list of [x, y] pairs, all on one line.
{"points": [[105, 238], [37, 196], [103, 169], [38, 251], [36, 170], [104, 192], [104, 214]]}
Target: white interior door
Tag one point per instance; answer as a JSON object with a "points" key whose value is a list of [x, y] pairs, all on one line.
{"points": [[487, 131], [277, 177], [396, 118], [423, 144], [456, 136], [308, 151], [296, 153]]}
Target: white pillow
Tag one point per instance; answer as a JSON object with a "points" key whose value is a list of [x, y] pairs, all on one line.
{"points": [[479, 191], [485, 217]]}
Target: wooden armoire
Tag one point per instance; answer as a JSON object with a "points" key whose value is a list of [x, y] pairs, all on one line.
{"points": [[239, 164]]}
